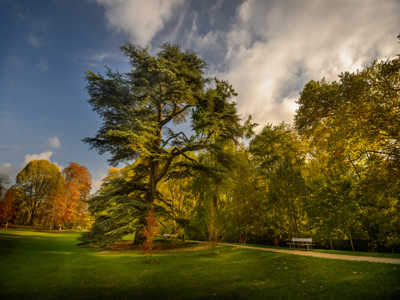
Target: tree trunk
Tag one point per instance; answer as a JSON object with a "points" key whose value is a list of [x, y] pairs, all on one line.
{"points": [[330, 240], [139, 236], [240, 233], [151, 192], [215, 202], [351, 241], [173, 205], [154, 168], [32, 218], [6, 224]]}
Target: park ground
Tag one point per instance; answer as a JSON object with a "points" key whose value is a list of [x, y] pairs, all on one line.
{"points": [[38, 264]]}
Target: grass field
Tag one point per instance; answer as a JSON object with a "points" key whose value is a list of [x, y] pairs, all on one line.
{"points": [[40, 265]]}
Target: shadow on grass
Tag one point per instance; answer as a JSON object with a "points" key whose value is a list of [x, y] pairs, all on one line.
{"points": [[42, 267], [235, 274]]}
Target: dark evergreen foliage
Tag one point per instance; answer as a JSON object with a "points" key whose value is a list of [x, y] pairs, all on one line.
{"points": [[137, 107]]}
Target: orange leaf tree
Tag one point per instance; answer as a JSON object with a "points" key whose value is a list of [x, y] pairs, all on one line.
{"points": [[7, 207], [150, 232], [78, 185], [68, 203], [55, 208]]}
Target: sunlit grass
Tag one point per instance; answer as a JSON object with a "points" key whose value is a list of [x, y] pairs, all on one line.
{"points": [[39, 265]]}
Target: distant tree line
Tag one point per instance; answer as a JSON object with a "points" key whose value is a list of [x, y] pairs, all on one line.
{"points": [[44, 196], [333, 175]]}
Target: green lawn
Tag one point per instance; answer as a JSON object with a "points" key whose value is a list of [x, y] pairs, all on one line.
{"points": [[41, 265]]}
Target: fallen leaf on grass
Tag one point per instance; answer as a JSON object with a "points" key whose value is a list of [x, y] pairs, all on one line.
{"points": [[354, 272], [215, 294]]}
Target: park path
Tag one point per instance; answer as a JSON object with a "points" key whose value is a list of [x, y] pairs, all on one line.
{"points": [[321, 255]]}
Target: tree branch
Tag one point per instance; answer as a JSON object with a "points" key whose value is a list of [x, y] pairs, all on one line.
{"points": [[165, 121]]}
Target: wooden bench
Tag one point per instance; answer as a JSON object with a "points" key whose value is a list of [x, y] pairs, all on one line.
{"points": [[301, 242]]}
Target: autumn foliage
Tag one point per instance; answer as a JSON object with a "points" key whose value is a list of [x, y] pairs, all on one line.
{"points": [[7, 207], [68, 202], [150, 232]]}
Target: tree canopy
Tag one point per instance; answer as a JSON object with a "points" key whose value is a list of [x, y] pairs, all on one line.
{"points": [[138, 109], [36, 182]]}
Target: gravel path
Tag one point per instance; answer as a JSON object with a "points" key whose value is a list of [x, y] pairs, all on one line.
{"points": [[322, 255]]}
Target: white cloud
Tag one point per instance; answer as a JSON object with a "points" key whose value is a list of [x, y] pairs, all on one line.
{"points": [[140, 19], [23, 13], [275, 47], [59, 167], [100, 57], [214, 9], [54, 142], [35, 42], [97, 183], [29, 157], [201, 43], [12, 171], [42, 65], [8, 169]]}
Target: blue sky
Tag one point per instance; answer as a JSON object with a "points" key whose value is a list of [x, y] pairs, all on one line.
{"points": [[268, 50]]}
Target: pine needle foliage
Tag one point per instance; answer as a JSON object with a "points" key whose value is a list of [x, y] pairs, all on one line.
{"points": [[137, 109]]}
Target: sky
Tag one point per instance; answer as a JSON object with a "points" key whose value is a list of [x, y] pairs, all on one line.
{"points": [[268, 50]]}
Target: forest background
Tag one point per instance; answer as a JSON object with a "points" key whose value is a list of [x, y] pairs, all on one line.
{"points": [[333, 175]]}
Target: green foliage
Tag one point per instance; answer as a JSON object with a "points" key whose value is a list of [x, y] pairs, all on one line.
{"points": [[243, 207], [137, 107], [35, 183], [279, 155], [334, 176], [353, 129]]}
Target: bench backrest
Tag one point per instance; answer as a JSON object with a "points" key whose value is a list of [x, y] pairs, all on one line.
{"points": [[307, 240]]}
